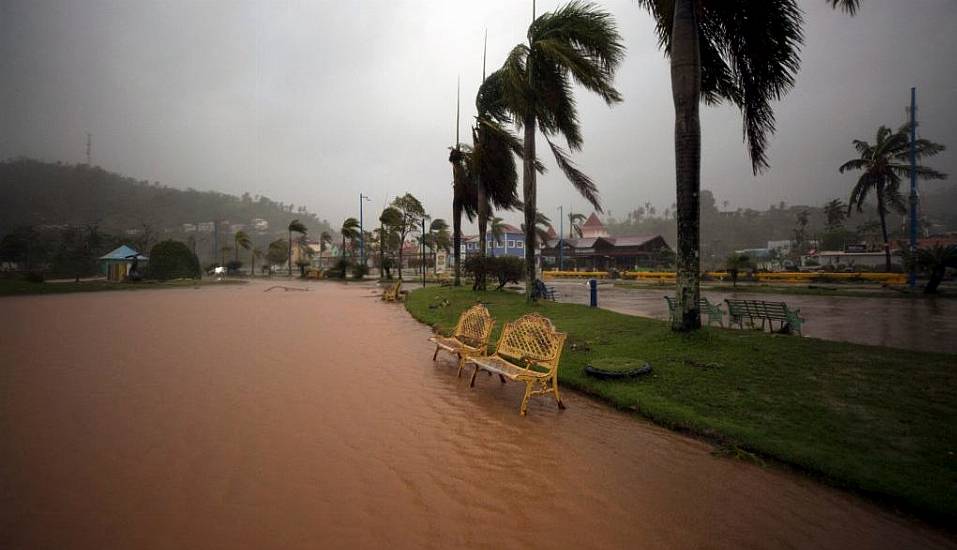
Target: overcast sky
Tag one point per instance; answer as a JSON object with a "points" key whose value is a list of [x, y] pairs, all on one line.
{"points": [[313, 102]]}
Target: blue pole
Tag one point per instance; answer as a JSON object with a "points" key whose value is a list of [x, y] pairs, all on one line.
{"points": [[912, 276], [561, 234]]}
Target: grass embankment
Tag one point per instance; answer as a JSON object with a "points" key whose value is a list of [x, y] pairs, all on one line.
{"points": [[875, 420], [24, 288]]}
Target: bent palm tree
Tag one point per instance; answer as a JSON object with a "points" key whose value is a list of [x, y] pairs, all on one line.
{"points": [[256, 254], [744, 52], [297, 227], [325, 239], [542, 227], [935, 260], [242, 240], [463, 202], [883, 164], [575, 222], [577, 42], [350, 231]]}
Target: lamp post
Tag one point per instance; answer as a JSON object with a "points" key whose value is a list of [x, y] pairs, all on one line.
{"points": [[362, 235], [423, 251], [912, 275], [561, 233]]}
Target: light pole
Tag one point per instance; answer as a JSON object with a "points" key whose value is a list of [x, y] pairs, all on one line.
{"points": [[912, 276], [362, 235], [561, 233]]}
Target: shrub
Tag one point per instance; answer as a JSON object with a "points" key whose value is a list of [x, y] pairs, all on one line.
{"points": [[359, 271], [173, 260], [338, 271], [33, 277], [504, 269], [233, 267]]}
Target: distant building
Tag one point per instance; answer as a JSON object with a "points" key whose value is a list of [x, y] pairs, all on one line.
{"points": [[598, 251], [260, 224], [511, 243], [206, 227], [189, 228], [233, 228]]}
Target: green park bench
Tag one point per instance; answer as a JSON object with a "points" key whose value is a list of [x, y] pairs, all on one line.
{"points": [[713, 311], [752, 311]]}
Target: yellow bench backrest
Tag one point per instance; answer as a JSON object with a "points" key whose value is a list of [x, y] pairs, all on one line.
{"points": [[474, 326], [532, 337]]}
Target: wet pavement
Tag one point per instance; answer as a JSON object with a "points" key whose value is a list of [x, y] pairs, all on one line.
{"points": [[917, 324], [237, 418]]}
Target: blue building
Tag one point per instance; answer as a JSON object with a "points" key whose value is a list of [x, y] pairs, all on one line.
{"points": [[512, 243]]}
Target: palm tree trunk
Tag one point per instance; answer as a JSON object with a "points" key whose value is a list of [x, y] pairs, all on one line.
{"points": [[531, 208], [289, 253], [936, 276], [483, 230], [686, 92], [883, 215], [457, 239]]}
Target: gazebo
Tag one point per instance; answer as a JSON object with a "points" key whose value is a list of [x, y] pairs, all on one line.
{"points": [[117, 264]]}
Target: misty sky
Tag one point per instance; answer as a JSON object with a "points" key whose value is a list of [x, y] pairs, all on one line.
{"points": [[313, 102]]}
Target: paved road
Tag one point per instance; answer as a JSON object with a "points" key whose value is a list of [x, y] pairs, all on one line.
{"points": [[237, 418], [921, 324]]}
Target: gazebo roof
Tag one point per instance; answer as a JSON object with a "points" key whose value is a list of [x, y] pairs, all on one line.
{"points": [[123, 253]]}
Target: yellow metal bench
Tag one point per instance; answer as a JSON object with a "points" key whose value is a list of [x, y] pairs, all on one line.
{"points": [[470, 336], [528, 351], [393, 293]]}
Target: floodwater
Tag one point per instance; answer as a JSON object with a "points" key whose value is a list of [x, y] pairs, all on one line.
{"points": [[918, 324], [237, 418]]}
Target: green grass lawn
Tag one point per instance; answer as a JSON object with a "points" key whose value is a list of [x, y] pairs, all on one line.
{"points": [[22, 288], [875, 420]]}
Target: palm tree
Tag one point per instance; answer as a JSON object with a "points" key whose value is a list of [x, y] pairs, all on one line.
{"points": [[350, 231], [242, 240], [463, 202], [935, 260], [257, 253], [438, 238], [497, 229], [742, 52], [325, 239], [297, 227], [834, 211], [575, 222], [883, 164], [577, 42], [542, 226]]}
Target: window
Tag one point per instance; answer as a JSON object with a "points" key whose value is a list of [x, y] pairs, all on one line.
{"points": [[511, 244], [519, 244]]}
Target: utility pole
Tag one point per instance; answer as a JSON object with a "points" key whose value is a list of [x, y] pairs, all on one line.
{"points": [[423, 251], [89, 149], [912, 276], [362, 235]]}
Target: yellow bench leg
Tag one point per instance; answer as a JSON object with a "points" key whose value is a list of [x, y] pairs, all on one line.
{"points": [[528, 393], [558, 397]]}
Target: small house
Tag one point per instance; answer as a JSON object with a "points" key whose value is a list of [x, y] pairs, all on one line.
{"points": [[118, 264]]}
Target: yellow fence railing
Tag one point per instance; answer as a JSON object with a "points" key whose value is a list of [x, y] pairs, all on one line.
{"points": [[782, 277]]}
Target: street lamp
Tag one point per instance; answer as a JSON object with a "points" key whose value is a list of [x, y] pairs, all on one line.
{"points": [[362, 235]]}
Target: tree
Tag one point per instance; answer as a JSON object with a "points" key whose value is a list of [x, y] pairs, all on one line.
{"points": [[438, 237], [743, 52], [241, 240], [800, 232], [388, 237], [463, 202], [934, 260], [350, 232], [173, 260], [835, 211], [575, 221], [491, 161], [498, 230], [295, 226], [577, 42], [278, 252], [325, 239], [735, 263], [256, 254], [882, 166], [542, 227], [408, 215]]}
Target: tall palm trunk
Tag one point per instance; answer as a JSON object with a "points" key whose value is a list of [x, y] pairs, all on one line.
{"points": [[686, 92], [457, 239], [289, 253], [883, 215], [381, 250], [531, 208], [483, 230]]}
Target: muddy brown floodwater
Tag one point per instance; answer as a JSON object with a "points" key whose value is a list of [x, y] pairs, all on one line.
{"points": [[237, 418]]}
